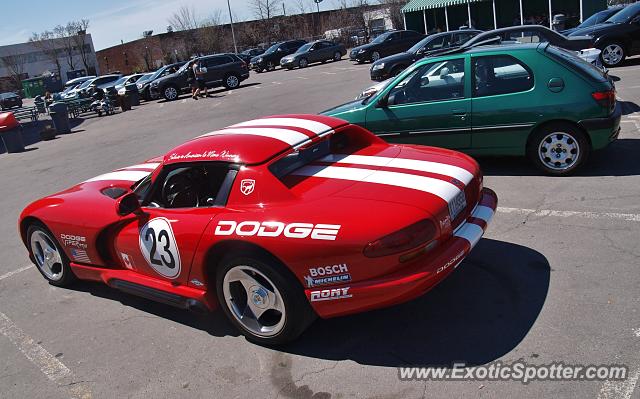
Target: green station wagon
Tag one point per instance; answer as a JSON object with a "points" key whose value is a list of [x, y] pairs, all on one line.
{"points": [[535, 100]]}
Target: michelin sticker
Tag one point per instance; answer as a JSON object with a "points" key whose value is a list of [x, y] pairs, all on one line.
{"points": [[159, 248]]}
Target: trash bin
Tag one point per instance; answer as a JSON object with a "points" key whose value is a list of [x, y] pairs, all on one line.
{"points": [[59, 114], [132, 91], [125, 102], [11, 132]]}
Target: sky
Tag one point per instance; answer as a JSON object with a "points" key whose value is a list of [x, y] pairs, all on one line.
{"points": [[111, 21]]}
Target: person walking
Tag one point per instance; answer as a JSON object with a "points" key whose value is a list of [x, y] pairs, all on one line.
{"points": [[191, 79], [200, 72]]}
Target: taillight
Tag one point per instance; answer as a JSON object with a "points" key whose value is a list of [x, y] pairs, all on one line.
{"points": [[402, 240], [606, 99]]}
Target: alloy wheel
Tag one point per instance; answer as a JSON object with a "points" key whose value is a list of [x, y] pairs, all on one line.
{"points": [[47, 256], [559, 151], [232, 81], [254, 301], [170, 93], [613, 54]]}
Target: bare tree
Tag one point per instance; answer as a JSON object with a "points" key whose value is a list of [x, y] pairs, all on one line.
{"points": [[265, 10], [61, 33], [184, 19], [15, 63], [394, 8], [46, 43], [211, 38], [79, 37]]}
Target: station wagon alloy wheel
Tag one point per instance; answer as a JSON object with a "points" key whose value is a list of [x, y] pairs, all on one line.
{"points": [[232, 81], [337, 56], [170, 93], [303, 63], [375, 56], [613, 54], [254, 301], [47, 256], [559, 151]]}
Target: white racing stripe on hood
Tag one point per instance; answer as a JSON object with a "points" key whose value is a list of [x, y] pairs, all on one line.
{"points": [[312, 126], [124, 175], [441, 188], [290, 137], [147, 166], [412, 164]]}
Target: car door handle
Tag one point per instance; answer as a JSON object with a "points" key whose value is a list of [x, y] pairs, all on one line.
{"points": [[459, 112]]}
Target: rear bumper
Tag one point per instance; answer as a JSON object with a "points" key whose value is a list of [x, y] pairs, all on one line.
{"points": [[414, 280], [603, 131]]}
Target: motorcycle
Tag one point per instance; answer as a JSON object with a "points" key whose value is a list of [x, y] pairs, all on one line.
{"points": [[101, 103]]}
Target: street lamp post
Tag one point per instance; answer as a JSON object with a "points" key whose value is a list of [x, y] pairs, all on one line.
{"points": [[235, 46], [318, 7]]}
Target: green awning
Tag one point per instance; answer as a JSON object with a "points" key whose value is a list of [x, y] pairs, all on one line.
{"points": [[419, 5]]}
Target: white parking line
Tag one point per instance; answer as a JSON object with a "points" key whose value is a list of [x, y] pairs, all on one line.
{"points": [[11, 273], [631, 217], [48, 364]]}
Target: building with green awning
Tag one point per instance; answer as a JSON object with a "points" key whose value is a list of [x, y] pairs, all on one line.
{"points": [[430, 16]]}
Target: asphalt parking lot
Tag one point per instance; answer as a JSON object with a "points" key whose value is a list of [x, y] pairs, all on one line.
{"points": [[554, 280]]}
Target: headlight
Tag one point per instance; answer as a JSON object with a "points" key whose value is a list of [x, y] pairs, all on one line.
{"points": [[139, 86], [154, 84], [378, 66], [121, 91]]}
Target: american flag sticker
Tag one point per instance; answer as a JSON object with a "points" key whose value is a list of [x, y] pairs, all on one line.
{"points": [[80, 255]]}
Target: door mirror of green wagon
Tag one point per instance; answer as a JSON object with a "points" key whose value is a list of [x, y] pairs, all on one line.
{"points": [[127, 204]]}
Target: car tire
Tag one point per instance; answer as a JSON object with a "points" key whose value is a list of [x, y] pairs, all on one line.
{"points": [[49, 257], [337, 56], [395, 71], [231, 81], [613, 54], [170, 93], [271, 66], [272, 286], [558, 149], [303, 63], [375, 56]]}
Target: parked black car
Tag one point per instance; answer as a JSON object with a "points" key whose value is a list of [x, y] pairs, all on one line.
{"points": [[595, 19], [247, 55], [386, 44], [271, 58], [618, 37], [144, 85], [226, 70], [318, 51], [392, 65], [533, 34], [9, 100]]}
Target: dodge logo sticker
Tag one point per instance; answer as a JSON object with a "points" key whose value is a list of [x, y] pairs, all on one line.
{"points": [[276, 229], [247, 186]]}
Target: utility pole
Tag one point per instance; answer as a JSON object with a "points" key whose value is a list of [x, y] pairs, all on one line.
{"points": [[235, 46]]}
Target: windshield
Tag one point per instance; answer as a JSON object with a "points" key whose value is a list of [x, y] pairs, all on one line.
{"points": [[416, 47], [86, 84], [624, 15], [144, 78], [304, 48], [272, 48], [121, 81], [183, 68], [381, 38]]}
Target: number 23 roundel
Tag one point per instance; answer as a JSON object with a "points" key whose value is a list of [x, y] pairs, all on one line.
{"points": [[159, 247]]}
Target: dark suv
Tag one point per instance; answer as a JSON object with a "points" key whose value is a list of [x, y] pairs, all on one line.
{"points": [[392, 65], [618, 37], [271, 58], [386, 44], [226, 70]]}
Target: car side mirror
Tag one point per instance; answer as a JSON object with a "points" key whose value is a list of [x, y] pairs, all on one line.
{"points": [[127, 204]]}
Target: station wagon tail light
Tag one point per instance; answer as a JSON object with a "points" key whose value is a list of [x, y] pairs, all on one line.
{"points": [[402, 240], [606, 99]]}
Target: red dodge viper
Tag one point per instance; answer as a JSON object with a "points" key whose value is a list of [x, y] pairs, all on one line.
{"points": [[276, 220]]}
